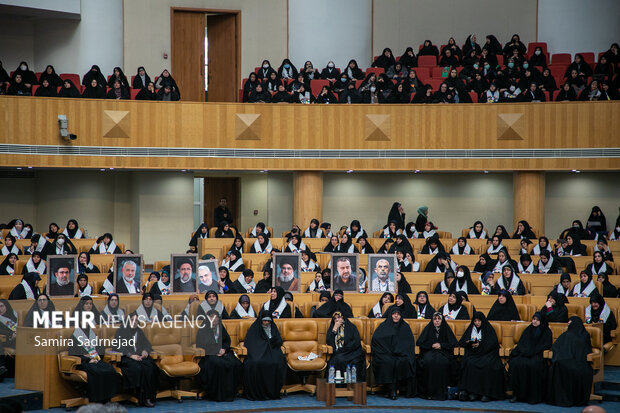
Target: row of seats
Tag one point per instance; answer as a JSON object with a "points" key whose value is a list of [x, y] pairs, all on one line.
{"points": [[81, 245]]}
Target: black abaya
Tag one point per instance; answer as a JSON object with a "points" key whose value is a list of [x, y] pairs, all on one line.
{"points": [[570, 375], [393, 354], [527, 376], [139, 376], [102, 378], [349, 353], [504, 312], [437, 366], [220, 375], [481, 371], [264, 368]]}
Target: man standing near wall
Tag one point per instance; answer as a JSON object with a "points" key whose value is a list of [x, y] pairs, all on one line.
{"points": [[222, 213]]}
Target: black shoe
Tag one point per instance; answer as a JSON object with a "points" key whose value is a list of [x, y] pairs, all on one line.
{"points": [[463, 396], [514, 399], [148, 403], [485, 399], [473, 397]]}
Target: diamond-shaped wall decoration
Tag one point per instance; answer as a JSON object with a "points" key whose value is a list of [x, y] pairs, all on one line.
{"points": [[377, 127], [247, 126], [510, 126], [116, 124]]}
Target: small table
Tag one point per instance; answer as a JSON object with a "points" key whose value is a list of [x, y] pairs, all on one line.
{"points": [[328, 392]]}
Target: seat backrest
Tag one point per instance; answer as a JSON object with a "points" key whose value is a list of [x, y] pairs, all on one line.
{"points": [[498, 331], [244, 325], [561, 58], [160, 336], [300, 330], [596, 337], [518, 331], [427, 61], [576, 310], [524, 312], [360, 325]]}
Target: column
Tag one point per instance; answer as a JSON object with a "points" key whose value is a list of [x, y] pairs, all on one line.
{"points": [[307, 197], [529, 199]]}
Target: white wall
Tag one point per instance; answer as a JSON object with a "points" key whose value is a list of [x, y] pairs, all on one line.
{"points": [[71, 46], [321, 30], [573, 26]]}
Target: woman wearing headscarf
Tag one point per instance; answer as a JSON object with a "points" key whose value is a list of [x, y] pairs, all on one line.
{"points": [[501, 232], [166, 79], [598, 265], [94, 91], [243, 309], [308, 261], [409, 59], [35, 264], [402, 302], [276, 306], [344, 339], [471, 44], [42, 305], [259, 95], [224, 231], [8, 329], [233, 261], [220, 370], [245, 283], [599, 312], [330, 71], [423, 306], [295, 244], [94, 73], [146, 312], [481, 370], [436, 362], [162, 286], [105, 245], [86, 267], [265, 71], [454, 309], [287, 70], [365, 247], [547, 264], [86, 305], [503, 260], [313, 230], [484, 263], [441, 262], [9, 246], [112, 310], [527, 374], [391, 231], [543, 244], [18, 87], [609, 290], [47, 90], [401, 243], [563, 287], [202, 232], [509, 281], [264, 367], [28, 288], [554, 310], [486, 283], [393, 355], [566, 93], [84, 289], [72, 230], [264, 285], [525, 264], [448, 59], [212, 302], [118, 75], [443, 286], [262, 245], [412, 84], [68, 90], [597, 223], [118, 91], [102, 378], [355, 230], [523, 231], [428, 49], [504, 308], [385, 60], [141, 80], [51, 76], [148, 92], [586, 286], [353, 71], [463, 281], [9, 265], [570, 374], [335, 304], [461, 247], [346, 245], [377, 310], [139, 370]]}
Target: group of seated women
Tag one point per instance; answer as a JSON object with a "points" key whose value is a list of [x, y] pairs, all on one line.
{"points": [[50, 84], [434, 374]]}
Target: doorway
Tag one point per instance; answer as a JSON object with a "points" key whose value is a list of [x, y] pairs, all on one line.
{"points": [[216, 189], [206, 53]]}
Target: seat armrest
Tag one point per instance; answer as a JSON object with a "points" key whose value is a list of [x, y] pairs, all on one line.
{"points": [[112, 356], [284, 350], [196, 352], [68, 363], [367, 349], [156, 355], [240, 350], [325, 349], [548, 354]]}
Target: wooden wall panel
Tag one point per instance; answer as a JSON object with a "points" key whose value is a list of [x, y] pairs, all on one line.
{"points": [[188, 53], [33, 121]]}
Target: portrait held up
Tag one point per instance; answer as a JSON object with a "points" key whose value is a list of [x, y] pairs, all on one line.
{"points": [[61, 278], [287, 267], [128, 274]]}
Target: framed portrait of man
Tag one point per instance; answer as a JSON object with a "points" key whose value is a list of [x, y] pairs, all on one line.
{"points": [[183, 277], [61, 275], [286, 271], [207, 276], [382, 269], [128, 274], [345, 276]]}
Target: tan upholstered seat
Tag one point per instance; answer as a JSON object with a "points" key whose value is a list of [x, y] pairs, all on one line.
{"points": [[300, 337]]}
